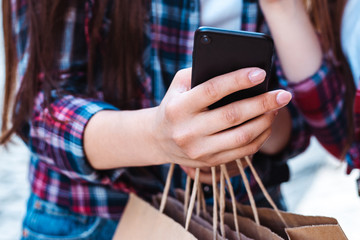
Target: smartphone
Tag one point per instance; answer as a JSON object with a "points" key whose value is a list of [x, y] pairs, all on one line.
{"points": [[218, 51]]}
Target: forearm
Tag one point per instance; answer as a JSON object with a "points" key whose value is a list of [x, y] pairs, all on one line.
{"points": [[181, 129], [114, 139], [296, 42]]}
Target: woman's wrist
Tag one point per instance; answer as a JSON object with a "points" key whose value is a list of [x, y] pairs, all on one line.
{"points": [[152, 137], [115, 139]]}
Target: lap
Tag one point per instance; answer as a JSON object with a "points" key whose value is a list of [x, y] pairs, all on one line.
{"points": [[45, 221]]}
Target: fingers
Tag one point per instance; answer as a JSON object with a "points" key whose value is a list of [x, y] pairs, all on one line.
{"points": [[237, 137], [181, 82], [228, 155], [211, 91], [206, 175], [241, 111], [197, 138], [249, 149]]}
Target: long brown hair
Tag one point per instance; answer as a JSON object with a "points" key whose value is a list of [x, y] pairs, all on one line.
{"points": [[123, 48], [119, 65]]}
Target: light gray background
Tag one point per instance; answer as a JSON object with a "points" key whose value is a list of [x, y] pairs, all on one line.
{"points": [[318, 185]]}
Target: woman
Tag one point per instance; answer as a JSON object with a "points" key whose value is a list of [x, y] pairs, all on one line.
{"points": [[77, 68]]}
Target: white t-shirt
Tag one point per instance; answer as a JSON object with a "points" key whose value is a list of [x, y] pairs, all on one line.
{"points": [[350, 37], [222, 14]]}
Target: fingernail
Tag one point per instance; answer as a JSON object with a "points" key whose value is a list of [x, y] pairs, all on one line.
{"points": [[283, 97], [257, 76]]}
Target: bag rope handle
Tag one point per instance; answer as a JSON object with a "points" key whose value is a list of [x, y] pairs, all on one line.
{"points": [[214, 186], [248, 190], [192, 198], [193, 194], [222, 203], [265, 192], [167, 187], [203, 201], [187, 194], [198, 204], [233, 199]]}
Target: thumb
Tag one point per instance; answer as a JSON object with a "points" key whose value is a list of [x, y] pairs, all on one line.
{"points": [[182, 81]]}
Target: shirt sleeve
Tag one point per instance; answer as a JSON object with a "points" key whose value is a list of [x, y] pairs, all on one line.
{"points": [[56, 131], [57, 136], [319, 99]]}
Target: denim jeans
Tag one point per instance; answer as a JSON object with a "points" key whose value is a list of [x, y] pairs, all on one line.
{"points": [[48, 221]]}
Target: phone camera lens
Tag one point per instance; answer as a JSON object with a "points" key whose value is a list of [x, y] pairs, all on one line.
{"points": [[205, 39]]}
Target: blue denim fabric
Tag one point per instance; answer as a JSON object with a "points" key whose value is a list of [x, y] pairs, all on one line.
{"points": [[48, 221]]}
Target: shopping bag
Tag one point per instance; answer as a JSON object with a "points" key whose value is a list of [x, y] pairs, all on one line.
{"points": [[140, 221], [316, 232], [248, 229], [297, 226], [287, 225], [174, 209], [167, 216], [200, 225]]}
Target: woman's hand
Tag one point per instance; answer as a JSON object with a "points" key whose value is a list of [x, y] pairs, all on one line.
{"points": [[205, 172], [187, 133], [182, 130]]}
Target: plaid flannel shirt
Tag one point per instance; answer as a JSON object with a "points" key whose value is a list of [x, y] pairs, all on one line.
{"points": [[322, 103], [59, 171]]}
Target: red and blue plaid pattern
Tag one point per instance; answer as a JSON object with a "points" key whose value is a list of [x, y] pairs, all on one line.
{"points": [[321, 100], [59, 170]]}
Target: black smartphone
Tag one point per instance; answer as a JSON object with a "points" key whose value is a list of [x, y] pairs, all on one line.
{"points": [[218, 51]]}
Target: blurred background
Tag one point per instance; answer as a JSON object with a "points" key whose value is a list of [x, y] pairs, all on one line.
{"points": [[318, 184]]}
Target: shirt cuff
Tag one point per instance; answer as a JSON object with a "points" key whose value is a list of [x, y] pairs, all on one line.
{"points": [[57, 137]]}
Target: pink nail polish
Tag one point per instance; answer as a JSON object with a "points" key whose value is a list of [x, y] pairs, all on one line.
{"points": [[257, 76], [283, 97]]}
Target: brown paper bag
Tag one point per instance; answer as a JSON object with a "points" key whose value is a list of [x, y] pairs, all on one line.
{"points": [[316, 232], [287, 225], [314, 227], [276, 224], [200, 226], [142, 221], [248, 228], [174, 209]]}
